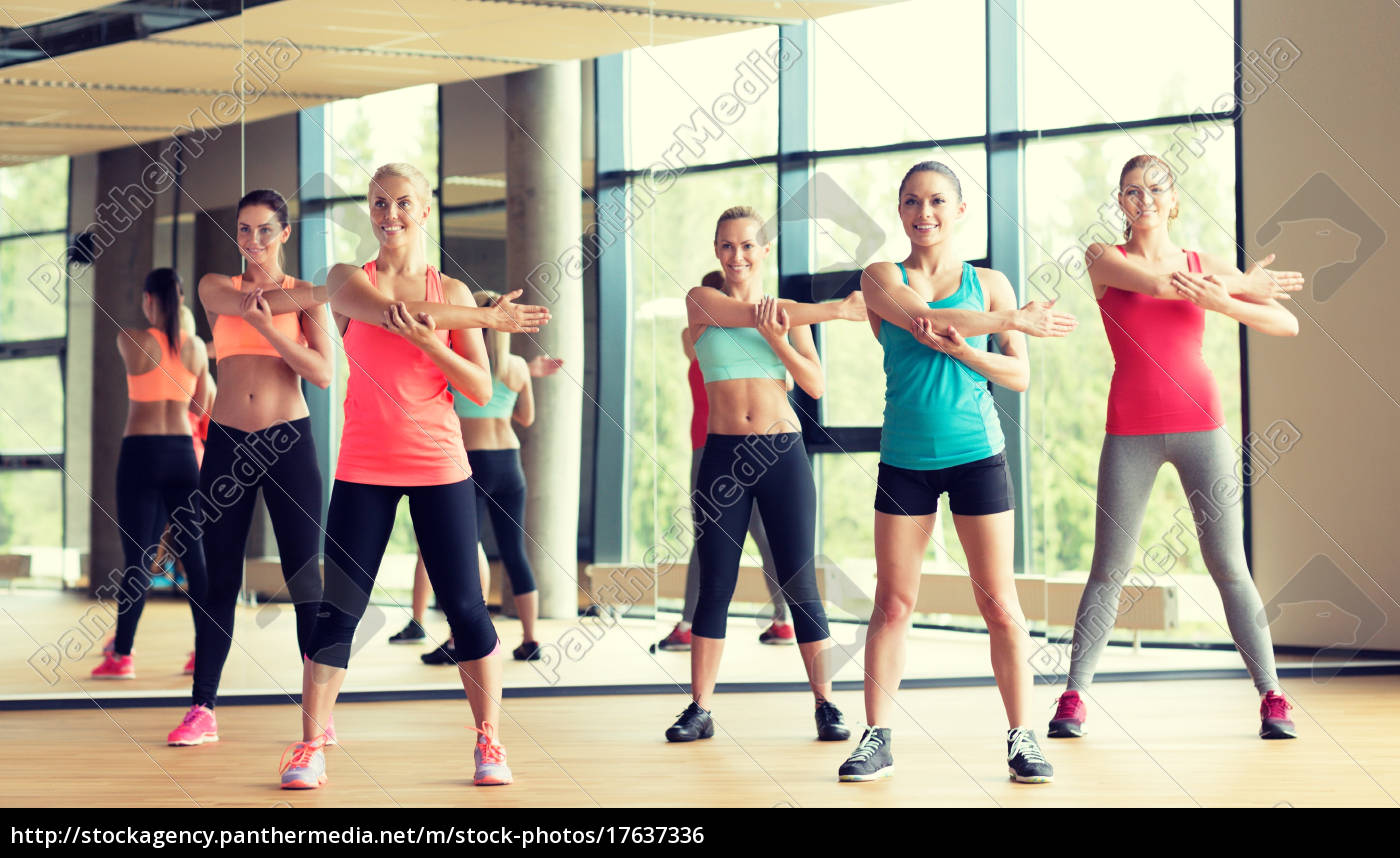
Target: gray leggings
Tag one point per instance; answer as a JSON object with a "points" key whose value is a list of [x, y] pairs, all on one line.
{"points": [[1127, 470], [760, 538]]}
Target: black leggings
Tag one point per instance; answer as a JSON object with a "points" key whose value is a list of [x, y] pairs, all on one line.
{"points": [[737, 471], [500, 492], [358, 525], [157, 479], [280, 460]]}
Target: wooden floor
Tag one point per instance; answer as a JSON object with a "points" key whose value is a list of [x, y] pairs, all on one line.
{"points": [[59, 638], [1151, 744]]}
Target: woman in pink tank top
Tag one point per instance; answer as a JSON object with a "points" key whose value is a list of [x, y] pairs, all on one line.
{"points": [[408, 332], [1164, 406]]}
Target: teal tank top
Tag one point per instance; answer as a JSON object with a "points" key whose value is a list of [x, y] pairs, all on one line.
{"points": [[729, 353], [501, 405], [938, 411]]}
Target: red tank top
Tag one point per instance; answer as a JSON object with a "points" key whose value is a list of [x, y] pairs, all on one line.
{"points": [[700, 407], [400, 429], [1160, 382]]}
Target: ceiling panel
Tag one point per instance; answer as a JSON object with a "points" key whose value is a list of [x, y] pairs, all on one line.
{"points": [[342, 49], [27, 12]]}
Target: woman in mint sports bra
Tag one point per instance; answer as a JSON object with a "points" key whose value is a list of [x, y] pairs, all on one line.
{"points": [[493, 451], [746, 345], [932, 314]]}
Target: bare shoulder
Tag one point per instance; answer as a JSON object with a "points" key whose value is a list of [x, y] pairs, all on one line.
{"points": [[454, 291], [879, 272], [518, 372], [1212, 264], [137, 346], [996, 287]]}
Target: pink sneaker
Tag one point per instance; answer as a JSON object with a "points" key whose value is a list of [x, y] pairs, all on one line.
{"points": [[303, 764], [189, 665], [677, 641], [197, 728], [1068, 722], [1274, 722], [778, 634], [491, 768], [115, 667]]}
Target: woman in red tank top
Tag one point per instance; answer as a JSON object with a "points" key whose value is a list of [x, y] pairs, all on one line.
{"points": [[408, 332], [1164, 406]]}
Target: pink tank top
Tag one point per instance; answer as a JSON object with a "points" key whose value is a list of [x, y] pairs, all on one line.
{"points": [[1160, 382], [400, 429]]}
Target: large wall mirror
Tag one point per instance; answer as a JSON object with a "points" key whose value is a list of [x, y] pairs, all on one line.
{"points": [[682, 114]]}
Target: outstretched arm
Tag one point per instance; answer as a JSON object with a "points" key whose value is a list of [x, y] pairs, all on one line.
{"points": [[1208, 293], [1258, 285], [353, 296], [219, 297], [888, 297], [706, 306]]}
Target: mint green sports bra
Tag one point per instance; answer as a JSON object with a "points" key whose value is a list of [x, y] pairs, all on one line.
{"points": [[725, 354], [501, 405]]}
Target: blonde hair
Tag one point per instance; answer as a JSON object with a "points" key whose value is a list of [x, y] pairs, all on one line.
{"points": [[742, 213], [497, 343], [187, 319], [400, 170]]}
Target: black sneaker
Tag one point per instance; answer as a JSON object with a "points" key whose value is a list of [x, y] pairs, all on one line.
{"points": [[412, 633], [527, 651], [1024, 759], [830, 726], [871, 759], [444, 654], [694, 723]]}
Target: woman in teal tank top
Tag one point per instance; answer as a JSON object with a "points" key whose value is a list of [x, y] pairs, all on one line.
{"points": [[932, 314], [493, 452]]}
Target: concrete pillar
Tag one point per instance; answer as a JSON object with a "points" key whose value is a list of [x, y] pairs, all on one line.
{"points": [[544, 225]]}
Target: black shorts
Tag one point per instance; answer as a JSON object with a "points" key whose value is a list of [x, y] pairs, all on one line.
{"points": [[982, 487]]}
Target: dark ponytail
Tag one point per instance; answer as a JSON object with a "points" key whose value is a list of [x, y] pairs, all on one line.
{"points": [[164, 285], [269, 198]]}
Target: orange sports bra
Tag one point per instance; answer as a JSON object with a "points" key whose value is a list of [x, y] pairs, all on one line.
{"points": [[170, 380], [233, 336]]}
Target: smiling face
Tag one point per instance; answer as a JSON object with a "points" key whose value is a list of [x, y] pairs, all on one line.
{"points": [[397, 212], [1147, 196], [261, 235], [740, 249], [929, 207]]}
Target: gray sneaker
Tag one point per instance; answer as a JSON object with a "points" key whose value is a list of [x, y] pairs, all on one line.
{"points": [[304, 765], [1023, 757], [490, 756], [871, 759]]}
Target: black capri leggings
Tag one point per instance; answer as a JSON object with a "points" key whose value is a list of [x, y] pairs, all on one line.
{"points": [[358, 525], [157, 480], [500, 493], [737, 471], [280, 460]]}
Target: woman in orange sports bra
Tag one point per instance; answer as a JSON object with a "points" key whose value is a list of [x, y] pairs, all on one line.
{"points": [[408, 333], [259, 439], [157, 477]]}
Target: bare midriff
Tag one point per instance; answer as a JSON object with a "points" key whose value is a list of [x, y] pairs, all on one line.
{"points": [[166, 417], [744, 406], [488, 433], [257, 391]]}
